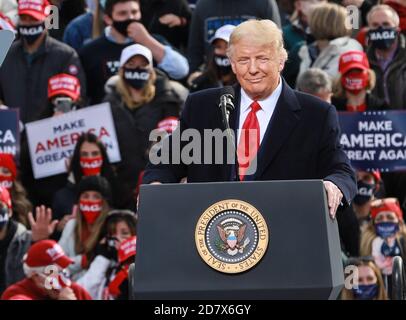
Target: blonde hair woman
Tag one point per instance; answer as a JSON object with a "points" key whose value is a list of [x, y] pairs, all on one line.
{"points": [[353, 86], [84, 231], [332, 38], [385, 235], [142, 99], [370, 281]]}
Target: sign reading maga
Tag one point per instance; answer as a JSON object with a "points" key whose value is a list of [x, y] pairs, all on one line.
{"points": [[374, 140], [52, 141]]}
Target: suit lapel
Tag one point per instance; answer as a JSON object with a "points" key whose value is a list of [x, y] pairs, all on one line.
{"points": [[282, 123]]}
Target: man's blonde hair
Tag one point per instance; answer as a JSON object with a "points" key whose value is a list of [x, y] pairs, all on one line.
{"points": [[259, 32], [384, 7]]}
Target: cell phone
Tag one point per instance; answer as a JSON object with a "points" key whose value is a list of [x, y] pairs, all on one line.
{"points": [[63, 104], [111, 242]]}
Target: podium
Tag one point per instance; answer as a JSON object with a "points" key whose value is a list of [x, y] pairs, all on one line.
{"points": [[302, 258]]}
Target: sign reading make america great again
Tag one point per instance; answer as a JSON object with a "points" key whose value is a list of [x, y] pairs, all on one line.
{"points": [[52, 141], [374, 140]]}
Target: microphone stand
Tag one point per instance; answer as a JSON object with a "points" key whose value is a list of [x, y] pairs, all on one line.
{"points": [[226, 106]]}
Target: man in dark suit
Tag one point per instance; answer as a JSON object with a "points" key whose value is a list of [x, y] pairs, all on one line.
{"points": [[296, 136]]}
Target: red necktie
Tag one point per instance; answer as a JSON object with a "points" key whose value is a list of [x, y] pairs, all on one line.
{"points": [[249, 140]]}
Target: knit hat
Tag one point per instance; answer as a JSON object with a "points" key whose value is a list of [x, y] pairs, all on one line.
{"points": [[95, 183], [45, 253], [7, 161]]}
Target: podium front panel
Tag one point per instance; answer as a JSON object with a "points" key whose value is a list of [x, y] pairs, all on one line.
{"points": [[302, 260]]}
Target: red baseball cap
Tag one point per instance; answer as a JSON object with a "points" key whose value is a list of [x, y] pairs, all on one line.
{"points": [[5, 197], [353, 60], [64, 84], [386, 204], [20, 297], [33, 8], [45, 253], [127, 249], [7, 161]]}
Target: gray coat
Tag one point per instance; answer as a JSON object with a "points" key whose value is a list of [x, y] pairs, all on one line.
{"points": [[391, 83], [24, 85], [18, 247]]}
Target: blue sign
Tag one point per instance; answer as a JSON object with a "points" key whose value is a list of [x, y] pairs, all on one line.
{"points": [[10, 132], [374, 140]]}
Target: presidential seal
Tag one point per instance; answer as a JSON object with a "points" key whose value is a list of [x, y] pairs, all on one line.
{"points": [[231, 236]]}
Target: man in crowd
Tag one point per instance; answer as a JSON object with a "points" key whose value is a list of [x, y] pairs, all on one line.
{"points": [[316, 82], [44, 266], [289, 135], [32, 60], [387, 55], [101, 57]]}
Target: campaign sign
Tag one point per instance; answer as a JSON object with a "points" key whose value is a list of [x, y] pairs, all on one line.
{"points": [[9, 132], [52, 141], [374, 140]]}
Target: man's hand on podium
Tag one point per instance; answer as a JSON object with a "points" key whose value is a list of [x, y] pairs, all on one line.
{"points": [[334, 197]]}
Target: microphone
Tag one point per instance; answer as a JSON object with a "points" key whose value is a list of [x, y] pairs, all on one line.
{"points": [[227, 105]]}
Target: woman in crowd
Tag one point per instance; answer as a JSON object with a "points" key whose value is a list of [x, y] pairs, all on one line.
{"points": [[8, 179], [218, 72], [141, 100], [370, 282], [89, 158], [106, 279], [385, 236], [82, 233], [354, 84], [332, 38], [63, 96]]}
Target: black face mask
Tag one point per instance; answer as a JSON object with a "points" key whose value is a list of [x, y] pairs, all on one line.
{"points": [[365, 192], [31, 33], [122, 26], [136, 78], [382, 38], [223, 64]]}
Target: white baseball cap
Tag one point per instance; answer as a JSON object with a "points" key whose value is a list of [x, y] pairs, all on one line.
{"points": [[223, 33], [133, 50]]}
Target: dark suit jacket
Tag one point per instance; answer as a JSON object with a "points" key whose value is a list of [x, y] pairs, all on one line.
{"points": [[301, 142]]}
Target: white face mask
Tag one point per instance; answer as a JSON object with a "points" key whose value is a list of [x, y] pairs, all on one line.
{"points": [[55, 278]]}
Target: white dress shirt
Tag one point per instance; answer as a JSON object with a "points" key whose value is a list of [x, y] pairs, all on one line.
{"points": [[264, 114]]}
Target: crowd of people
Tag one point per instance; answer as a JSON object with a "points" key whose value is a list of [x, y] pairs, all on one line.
{"points": [[143, 57]]}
